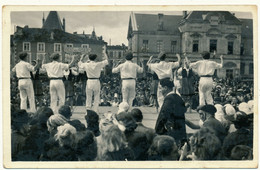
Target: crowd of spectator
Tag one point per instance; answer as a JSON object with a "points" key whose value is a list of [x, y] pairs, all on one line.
{"points": [[225, 134]]}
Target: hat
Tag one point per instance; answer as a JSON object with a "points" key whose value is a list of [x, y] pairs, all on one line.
{"points": [[65, 111], [129, 56], [162, 55], [229, 110], [205, 55], [92, 56], [251, 105], [55, 56], [244, 107], [208, 108], [91, 116]]}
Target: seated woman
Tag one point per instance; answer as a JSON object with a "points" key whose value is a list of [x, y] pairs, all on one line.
{"points": [[163, 148], [62, 147], [112, 145]]}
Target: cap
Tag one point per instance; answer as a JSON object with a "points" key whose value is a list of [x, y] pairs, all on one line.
{"points": [[208, 108], [129, 56], [244, 107], [55, 56], [205, 55]]}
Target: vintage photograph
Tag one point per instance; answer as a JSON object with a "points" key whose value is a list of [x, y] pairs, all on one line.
{"points": [[132, 85]]}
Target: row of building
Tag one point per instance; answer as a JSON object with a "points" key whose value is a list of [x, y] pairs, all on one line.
{"points": [[219, 32]]}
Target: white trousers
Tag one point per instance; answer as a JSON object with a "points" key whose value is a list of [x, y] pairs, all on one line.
{"points": [[128, 91], [160, 97], [57, 93], [25, 87], [205, 88], [93, 89]]}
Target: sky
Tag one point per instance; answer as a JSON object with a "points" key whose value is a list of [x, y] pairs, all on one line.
{"points": [[111, 25]]}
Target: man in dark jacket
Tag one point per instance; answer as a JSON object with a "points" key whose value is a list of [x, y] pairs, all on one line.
{"points": [[171, 119]]}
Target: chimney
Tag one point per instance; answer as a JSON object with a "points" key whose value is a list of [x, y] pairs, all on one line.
{"points": [[160, 21], [83, 32], [43, 19], [63, 26], [75, 32], [184, 14]]}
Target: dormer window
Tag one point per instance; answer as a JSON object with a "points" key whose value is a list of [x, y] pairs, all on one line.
{"points": [[214, 20]]}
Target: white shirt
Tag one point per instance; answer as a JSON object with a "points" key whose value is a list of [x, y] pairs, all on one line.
{"points": [[92, 68], [128, 69], [55, 69], [205, 67], [23, 69], [163, 69]]}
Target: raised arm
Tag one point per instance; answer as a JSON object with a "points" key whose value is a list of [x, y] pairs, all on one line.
{"points": [[72, 61], [221, 60], [179, 58], [191, 125]]}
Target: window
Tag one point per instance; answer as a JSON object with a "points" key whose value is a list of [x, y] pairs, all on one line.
{"points": [[230, 47], [195, 46], [229, 73], [242, 68], [26, 46], [242, 49], [40, 47], [69, 45], [159, 46], [173, 46], [251, 68], [214, 20], [57, 47], [85, 45], [119, 54], [213, 46], [145, 44], [111, 53]]}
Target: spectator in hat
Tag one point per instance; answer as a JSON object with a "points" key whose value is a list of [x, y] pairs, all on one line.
{"points": [[25, 85], [207, 116], [128, 72], [171, 119], [138, 117], [205, 69], [163, 70], [137, 140], [93, 70], [242, 136], [55, 71]]}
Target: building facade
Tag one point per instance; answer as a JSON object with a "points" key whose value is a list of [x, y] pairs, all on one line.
{"points": [[218, 32], [51, 38]]}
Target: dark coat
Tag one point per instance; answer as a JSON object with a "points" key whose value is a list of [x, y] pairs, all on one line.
{"points": [[149, 132], [171, 119], [217, 128]]}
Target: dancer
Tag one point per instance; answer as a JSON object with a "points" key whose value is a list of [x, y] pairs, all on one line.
{"points": [[205, 69], [93, 70], [55, 71], [25, 85], [163, 70], [128, 71]]}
